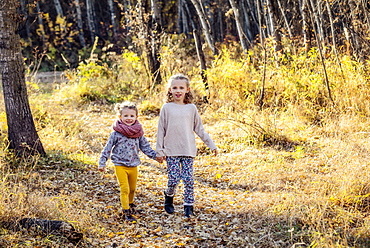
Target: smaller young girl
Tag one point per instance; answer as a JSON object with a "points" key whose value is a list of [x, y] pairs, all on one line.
{"points": [[123, 148], [178, 121]]}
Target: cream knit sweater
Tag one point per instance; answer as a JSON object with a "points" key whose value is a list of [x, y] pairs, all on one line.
{"points": [[176, 127]]}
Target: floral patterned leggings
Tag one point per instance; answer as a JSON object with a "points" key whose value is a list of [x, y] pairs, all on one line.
{"points": [[181, 168]]}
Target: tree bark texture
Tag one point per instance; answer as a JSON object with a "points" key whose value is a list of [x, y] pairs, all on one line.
{"points": [[80, 23], [274, 30], [113, 18], [155, 32], [205, 25], [239, 24], [22, 133], [91, 19]]}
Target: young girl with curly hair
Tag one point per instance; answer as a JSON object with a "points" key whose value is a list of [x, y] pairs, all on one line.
{"points": [[179, 120]]}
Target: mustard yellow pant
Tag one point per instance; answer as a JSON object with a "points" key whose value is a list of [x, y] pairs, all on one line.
{"points": [[127, 178]]}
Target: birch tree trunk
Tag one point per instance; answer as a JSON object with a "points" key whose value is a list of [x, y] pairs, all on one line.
{"points": [[354, 26], [285, 19], [183, 18], [239, 25], [127, 13], [22, 133], [113, 19], [319, 46], [247, 23], [156, 13], [205, 26], [274, 30], [200, 53], [156, 30], [334, 43], [58, 8], [207, 10], [314, 14], [306, 37], [260, 27], [91, 19], [81, 35]]}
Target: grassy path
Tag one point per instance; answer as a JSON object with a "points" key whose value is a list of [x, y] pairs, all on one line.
{"points": [[228, 211]]}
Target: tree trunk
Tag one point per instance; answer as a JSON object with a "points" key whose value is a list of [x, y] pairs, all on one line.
{"points": [[80, 24], [41, 23], [305, 28], [156, 13], [354, 26], [239, 25], [205, 26], [113, 19], [273, 26], [156, 30], [182, 20], [334, 38], [247, 22], [22, 133], [315, 17], [24, 9], [207, 10], [198, 47], [127, 12], [319, 46], [91, 19], [285, 19], [261, 29], [58, 8]]}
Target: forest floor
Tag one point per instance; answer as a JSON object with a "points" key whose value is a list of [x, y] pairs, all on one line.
{"points": [[245, 197], [226, 211]]}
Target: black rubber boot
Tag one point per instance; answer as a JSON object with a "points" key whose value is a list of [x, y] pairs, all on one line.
{"points": [[188, 210], [132, 208], [128, 215], [168, 204]]}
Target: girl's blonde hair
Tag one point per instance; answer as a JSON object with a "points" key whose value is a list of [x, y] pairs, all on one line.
{"points": [[188, 96], [125, 105]]}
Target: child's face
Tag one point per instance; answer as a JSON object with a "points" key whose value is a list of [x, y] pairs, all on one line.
{"points": [[178, 89], [128, 116]]}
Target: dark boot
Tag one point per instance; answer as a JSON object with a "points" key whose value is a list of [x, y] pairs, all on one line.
{"points": [[168, 204], [132, 208], [128, 215], [188, 210]]}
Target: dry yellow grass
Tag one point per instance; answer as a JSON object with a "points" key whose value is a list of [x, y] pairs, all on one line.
{"points": [[291, 175], [313, 193]]}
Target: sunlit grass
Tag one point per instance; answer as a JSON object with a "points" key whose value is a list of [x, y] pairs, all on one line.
{"points": [[293, 172]]}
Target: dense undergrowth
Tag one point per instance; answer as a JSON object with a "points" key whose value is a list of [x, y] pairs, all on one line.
{"points": [[292, 172]]}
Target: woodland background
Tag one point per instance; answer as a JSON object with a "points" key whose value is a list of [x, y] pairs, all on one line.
{"points": [[283, 88]]}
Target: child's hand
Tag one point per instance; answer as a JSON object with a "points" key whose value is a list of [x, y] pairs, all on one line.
{"points": [[215, 152]]}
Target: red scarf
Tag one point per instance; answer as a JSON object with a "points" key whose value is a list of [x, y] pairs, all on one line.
{"points": [[133, 131]]}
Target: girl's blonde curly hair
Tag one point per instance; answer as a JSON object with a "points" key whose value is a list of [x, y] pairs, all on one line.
{"points": [[188, 96], [125, 105]]}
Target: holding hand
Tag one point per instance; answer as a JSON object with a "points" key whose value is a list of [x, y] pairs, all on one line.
{"points": [[215, 152]]}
